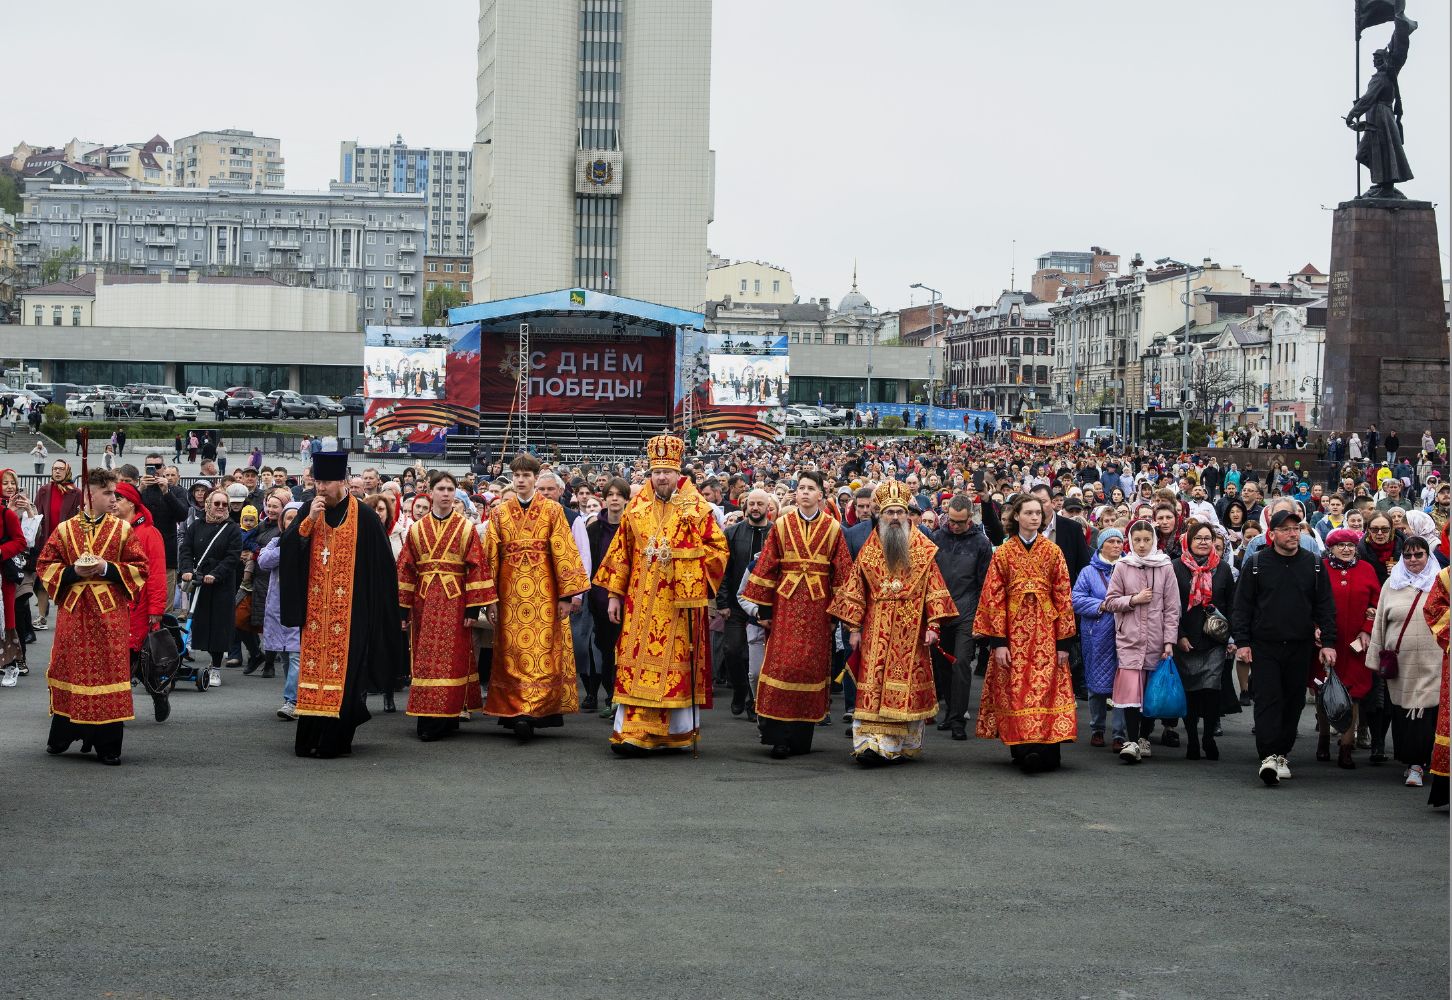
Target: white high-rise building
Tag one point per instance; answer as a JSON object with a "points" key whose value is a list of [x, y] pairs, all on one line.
{"points": [[442, 174], [592, 160]]}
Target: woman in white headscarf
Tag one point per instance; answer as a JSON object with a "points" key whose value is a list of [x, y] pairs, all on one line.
{"points": [[1420, 523], [1353, 447], [1413, 673]]}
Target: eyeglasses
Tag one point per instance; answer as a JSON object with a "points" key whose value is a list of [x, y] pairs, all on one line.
{"points": [[1379, 531], [217, 505]]}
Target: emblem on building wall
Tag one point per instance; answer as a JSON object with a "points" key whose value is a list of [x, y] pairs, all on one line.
{"points": [[600, 172]]}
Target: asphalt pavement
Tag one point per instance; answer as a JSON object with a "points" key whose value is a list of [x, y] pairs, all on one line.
{"points": [[215, 864]]}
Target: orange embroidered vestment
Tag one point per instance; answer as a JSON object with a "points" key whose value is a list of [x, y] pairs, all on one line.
{"points": [[327, 631], [533, 560], [1025, 603], [666, 561], [895, 671], [90, 664], [1439, 619], [801, 564], [441, 574]]}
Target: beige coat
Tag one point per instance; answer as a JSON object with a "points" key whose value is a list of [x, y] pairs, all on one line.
{"points": [[1418, 683]]}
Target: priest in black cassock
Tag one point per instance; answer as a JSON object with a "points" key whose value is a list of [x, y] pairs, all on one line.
{"points": [[339, 585]]}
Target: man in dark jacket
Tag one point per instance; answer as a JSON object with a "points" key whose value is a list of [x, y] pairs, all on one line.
{"points": [[1283, 597], [743, 541], [600, 533], [865, 509], [963, 556], [168, 508]]}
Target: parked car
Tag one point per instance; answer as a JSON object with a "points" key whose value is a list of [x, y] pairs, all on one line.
{"points": [[205, 398], [353, 404], [167, 407], [809, 415], [286, 403], [327, 406], [243, 402], [88, 405]]}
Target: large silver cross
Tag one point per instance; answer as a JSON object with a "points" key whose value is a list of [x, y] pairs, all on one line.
{"points": [[326, 553]]}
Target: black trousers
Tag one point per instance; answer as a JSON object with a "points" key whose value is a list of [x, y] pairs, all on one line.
{"points": [[954, 681], [106, 738], [606, 635], [1281, 670], [733, 639]]}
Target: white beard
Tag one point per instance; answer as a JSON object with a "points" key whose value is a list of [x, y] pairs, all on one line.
{"points": [[895, 544]]}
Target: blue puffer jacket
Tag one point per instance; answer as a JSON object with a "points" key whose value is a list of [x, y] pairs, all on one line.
{"points": [[1096, 628]]}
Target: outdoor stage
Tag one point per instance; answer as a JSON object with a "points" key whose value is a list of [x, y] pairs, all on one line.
{"points": [[602, 371]]}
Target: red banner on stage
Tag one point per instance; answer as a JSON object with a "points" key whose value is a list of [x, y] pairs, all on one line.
{"points": [[635, 377]]}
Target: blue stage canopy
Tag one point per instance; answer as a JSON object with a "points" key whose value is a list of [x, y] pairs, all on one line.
{"points": [[576, 300]]}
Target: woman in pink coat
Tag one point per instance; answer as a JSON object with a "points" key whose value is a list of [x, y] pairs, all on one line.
{"points": [[1145, 599]]}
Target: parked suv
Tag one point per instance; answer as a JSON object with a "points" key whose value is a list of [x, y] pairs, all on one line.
{"points": [[286, 403], [325, 406], [88, 405], [243, 402], [204, 398], [154, 404]]}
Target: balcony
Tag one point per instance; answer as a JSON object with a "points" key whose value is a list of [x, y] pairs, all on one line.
{"points": [[407, 268], [411, 225], [408, 247], [94, 212], [306, 265], [161, 241], [30, 239], [405, 311], [182, 262], [286, 245], [260, 265], [407, 290], [347, 219]]}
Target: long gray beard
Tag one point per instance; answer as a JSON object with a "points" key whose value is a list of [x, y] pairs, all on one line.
{"points": [[895, 547]]}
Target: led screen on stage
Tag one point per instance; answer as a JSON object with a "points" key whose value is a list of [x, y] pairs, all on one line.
{"points": [[403, 372], [748, 380]]}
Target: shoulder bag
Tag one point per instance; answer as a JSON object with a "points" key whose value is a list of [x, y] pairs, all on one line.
{"points": [[1388, 663]]}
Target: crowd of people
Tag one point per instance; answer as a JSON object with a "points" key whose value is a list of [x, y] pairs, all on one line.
{"points": [[883, 576]]}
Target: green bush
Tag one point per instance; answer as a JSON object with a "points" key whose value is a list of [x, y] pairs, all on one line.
{"points": [[892, 422], [54, 413], [161, 430]]}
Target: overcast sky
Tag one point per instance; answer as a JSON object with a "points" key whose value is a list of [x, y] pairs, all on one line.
{"points": [[922, 138]]}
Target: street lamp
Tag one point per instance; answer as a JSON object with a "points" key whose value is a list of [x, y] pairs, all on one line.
{"points": [[937, 297]]}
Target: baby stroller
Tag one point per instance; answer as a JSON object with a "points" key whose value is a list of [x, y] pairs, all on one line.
{"points": [[164, 658]]}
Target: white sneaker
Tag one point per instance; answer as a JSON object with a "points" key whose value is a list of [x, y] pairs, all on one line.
{"points": [[288, 711], [1144, 748], [1269, 773], [214, 677], [1283, 768], [1130, 753], [10, 677], [1414, 776]]}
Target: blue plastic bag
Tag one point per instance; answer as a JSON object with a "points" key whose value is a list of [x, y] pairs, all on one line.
{"points": [[1164, 695]]}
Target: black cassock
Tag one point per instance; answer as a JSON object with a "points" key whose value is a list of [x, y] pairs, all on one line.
{"points": [[375, 646]]}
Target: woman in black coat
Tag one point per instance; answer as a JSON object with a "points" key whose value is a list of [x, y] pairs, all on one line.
{"points": [[216, 571], [1200, 659]]}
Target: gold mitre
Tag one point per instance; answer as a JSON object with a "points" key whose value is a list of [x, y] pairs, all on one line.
{"points": [[665, 452], [892, 494]]}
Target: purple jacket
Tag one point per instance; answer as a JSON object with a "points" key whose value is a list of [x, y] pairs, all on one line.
{"points": [[276, 637], [1142, 631]]}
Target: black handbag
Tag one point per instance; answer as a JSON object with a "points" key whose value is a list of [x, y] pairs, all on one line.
{"points": [[1217, 626]]}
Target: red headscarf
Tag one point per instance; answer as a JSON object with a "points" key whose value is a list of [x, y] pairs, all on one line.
{"points": [[129, 492]]}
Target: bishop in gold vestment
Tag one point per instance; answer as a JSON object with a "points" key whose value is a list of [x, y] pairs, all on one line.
{"points": [[893, 604], [537, 572], [666, 561]]}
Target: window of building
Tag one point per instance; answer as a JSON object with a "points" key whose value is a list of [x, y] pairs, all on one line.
{"points": [[387, 280], [388, 302], [125, 232], [433, 266], [370, 260], [757, 286], [75, 315], [39, 316], [55, 315], [388, 239], [464, 267], [368, 302], [743, 284], [388, 260], [463, 286], [428, 286], [369, 281], [776, 286]]}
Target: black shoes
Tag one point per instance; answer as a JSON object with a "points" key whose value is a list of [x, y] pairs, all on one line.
{"points": [[388, 705], [269, 671], [590, 704], [826, 720], [737, 707], [960, 733], [161, 705], [751, 712], [1169, 738], [56, 751], [110, 760], [780, 752], [1212, 750], [523, 730]]}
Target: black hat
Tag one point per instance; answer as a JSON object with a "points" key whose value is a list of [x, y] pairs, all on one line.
{"points": [[330, 466], [1073, 503]]}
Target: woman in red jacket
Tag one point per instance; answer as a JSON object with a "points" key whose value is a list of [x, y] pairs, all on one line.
{"points": [[1356, 589], [12, 544], [148, 606]]}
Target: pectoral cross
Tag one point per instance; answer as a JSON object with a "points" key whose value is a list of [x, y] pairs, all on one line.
{"points": [[326, 553]]}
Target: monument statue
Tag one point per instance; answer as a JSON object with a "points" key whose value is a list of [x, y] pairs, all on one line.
{"points": [[1377, 114]]}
